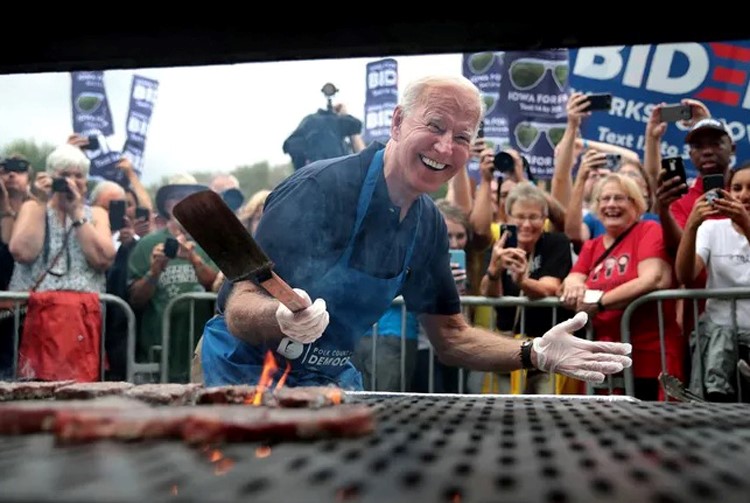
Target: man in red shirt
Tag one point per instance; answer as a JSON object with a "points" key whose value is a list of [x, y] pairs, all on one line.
{"points": [[711, 151]]}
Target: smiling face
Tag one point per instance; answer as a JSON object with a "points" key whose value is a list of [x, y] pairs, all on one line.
{"points": [[528, 216], [432, 141], [616, 208]]}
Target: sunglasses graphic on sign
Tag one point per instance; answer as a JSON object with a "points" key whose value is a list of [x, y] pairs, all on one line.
{"points": [[490, 100], [527, 73], [480, 62], [527, 134]]}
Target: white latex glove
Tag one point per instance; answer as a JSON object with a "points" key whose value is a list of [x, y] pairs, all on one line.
{"points": [[560, 351], [304, 326]]}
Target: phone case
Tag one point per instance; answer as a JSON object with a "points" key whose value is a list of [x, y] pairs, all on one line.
{"points": [[600, 102], [674, 113]]}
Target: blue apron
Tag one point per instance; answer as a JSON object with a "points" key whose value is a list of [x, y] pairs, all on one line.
{"points": [[355, 301]]}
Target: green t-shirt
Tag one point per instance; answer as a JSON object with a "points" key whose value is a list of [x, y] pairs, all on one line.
{"points": [[179, 277]]}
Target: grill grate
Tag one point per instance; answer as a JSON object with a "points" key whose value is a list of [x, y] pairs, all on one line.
{"points": [[451, 448]]}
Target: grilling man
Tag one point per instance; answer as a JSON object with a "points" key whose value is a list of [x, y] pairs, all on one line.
{"points": [[355, 232]]}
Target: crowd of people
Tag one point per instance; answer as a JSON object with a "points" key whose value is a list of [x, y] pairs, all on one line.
{"points": [[352, 233]]}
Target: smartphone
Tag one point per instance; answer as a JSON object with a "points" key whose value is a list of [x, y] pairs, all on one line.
{"points": [[458, 257], [170, 247], [142, 213], [674, 166], [116, 215], [613, 161], [592, 296], [674, 113], [60, 185], [512, 230], [711, 186], [93, 143], [599, 102]]}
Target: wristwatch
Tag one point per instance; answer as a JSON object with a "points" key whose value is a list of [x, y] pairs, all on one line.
{"points": [[79, 222], [526, 363]]}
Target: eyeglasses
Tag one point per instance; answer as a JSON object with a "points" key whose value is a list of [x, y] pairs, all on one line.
{"points": [[532, 219], [528, 133], [617, 198], [527, 73]]}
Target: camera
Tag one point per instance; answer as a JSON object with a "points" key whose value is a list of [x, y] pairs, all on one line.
{"points": [[504, 163], [60, 185]]}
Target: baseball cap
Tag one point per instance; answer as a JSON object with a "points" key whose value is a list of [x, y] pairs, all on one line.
{"points": [[704, 125]]}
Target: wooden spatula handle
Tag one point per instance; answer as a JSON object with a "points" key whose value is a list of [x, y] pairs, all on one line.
{"points": [[280, 290]]}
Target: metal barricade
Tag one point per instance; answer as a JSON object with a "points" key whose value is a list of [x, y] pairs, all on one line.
{"points": [[731, 294], [166, 325], [131, 366], [466, 302]]}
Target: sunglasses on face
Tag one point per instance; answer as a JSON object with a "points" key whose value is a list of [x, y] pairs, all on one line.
{"points": [[14, 166]]}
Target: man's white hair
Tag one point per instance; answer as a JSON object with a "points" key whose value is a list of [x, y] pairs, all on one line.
{"points": [[103, 188]]}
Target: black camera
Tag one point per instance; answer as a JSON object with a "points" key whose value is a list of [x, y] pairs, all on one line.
{"points": [[60, 185], [504, 162]]}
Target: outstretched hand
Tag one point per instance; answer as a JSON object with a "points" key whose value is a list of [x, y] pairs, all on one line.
{"points": [[561, 352]]}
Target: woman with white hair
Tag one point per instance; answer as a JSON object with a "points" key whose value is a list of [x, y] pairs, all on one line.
{"points": [[627, 261], [62, 248]]}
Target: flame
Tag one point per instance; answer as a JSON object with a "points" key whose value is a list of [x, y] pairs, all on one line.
{"points": [[215, 456], [283, 377], [266, 378], [263, 451], [335, 396], [173, 491]]}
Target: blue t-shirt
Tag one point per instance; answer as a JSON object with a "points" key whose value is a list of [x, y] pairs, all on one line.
{"points": [[596, 227], [308, 220]]}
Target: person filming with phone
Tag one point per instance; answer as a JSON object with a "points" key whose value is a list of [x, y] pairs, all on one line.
{"points": [[62, 248], [526, 261], [711, 149], [163, 265]]}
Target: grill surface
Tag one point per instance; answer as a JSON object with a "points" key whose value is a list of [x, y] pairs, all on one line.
{"points": [[453, 448]]}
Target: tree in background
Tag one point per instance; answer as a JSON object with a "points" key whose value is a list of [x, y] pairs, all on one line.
{"points": [[252, 178], [35, 153]]}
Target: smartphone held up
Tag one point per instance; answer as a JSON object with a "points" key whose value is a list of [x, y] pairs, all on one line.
{"points": [[675, 167], [512, 240]]}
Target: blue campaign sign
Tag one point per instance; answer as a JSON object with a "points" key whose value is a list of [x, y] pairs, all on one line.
{"points": [[90, 109], [381, 99], [640, 76]]}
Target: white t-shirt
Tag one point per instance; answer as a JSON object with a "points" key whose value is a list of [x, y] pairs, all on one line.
{"points": [[726, 254]]}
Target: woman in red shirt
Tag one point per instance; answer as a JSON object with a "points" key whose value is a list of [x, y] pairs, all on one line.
{"points": [[626, 262]]}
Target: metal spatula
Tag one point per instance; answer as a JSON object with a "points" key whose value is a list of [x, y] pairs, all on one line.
{"points": [[213, 225]]}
